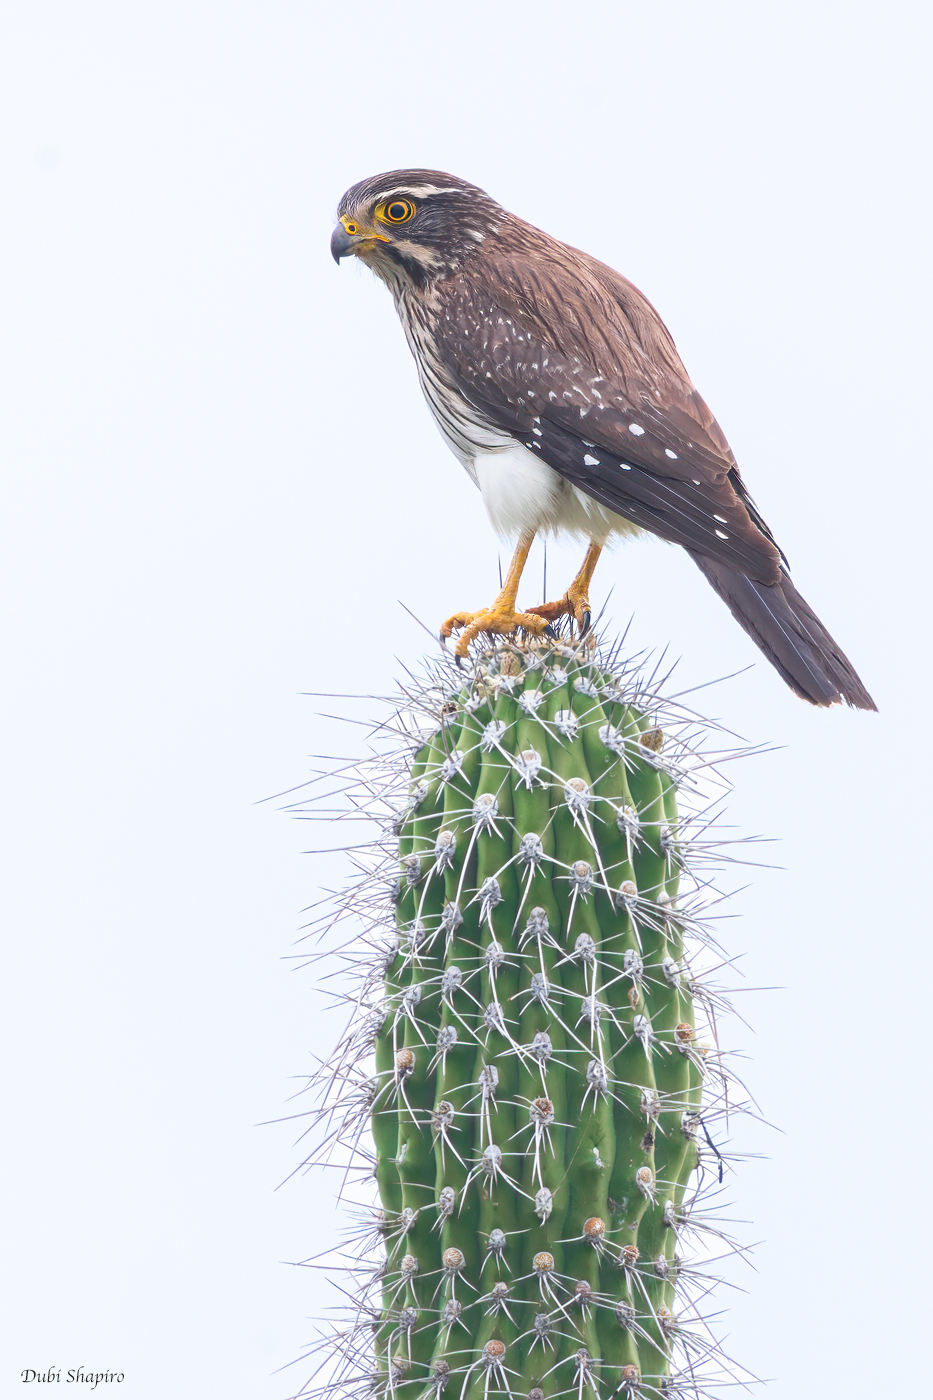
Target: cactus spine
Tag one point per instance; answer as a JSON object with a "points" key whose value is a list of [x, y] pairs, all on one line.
{"points": [[524, 1051]]}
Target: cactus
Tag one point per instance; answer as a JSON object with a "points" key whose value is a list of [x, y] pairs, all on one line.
{"points": [[531, 1072]]}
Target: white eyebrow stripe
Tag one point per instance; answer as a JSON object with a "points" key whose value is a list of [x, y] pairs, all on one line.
{"points": [[416, 190]]}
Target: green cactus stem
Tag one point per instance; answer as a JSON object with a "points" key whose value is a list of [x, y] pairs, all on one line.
{"points": [[532, 1071]]}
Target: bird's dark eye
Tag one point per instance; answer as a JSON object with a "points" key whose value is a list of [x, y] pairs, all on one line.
{"points": [[398, 211]]}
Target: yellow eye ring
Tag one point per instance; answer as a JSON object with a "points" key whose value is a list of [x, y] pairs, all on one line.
{"points": [[397, 211]]}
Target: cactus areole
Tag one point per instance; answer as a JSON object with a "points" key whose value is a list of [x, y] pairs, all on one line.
{"points": [[531, 1071]]}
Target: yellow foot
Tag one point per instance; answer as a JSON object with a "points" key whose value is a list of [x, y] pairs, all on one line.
{"points": [[498, 621], [575, 603]]}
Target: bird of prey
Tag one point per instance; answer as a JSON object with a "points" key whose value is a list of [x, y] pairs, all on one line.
{"points": [[559, 388]]}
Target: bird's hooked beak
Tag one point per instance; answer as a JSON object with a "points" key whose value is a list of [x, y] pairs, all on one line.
{"points": [[348, 236]]}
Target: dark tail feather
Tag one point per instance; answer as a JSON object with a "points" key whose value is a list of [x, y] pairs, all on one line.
{"points": [[790, 635]]}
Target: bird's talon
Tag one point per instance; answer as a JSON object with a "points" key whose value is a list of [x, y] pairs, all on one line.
{"points": [[498, 621], [571, 605]]}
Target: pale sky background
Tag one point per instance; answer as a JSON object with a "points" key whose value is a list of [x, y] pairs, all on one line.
{"points": [[219, 476]]}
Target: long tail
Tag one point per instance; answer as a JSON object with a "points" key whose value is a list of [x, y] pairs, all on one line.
{"points": [[790, 634]]}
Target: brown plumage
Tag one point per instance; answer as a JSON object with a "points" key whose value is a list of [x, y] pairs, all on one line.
{"points": [[561, 391]]}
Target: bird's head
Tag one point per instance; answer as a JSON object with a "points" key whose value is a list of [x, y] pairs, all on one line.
{"points": [[414, 225]]}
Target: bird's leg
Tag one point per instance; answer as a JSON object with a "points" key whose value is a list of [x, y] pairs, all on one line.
{"points": [[576, 601], [501, 619]]}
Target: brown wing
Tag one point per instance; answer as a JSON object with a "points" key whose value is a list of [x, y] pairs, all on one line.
{"points": [[563, 353]]}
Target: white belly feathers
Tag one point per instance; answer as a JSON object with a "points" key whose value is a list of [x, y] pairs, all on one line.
{"points": [[520, 492]]}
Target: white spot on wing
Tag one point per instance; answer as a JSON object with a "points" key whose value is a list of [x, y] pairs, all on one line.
{"points": [[590, 461], [636, 428], [721, 533], [669, 453]]}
